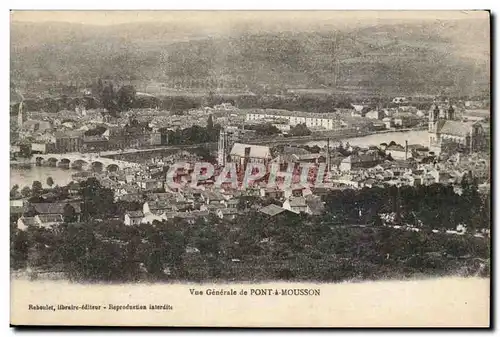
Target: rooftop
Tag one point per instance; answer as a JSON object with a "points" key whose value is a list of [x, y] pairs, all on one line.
{"points": [[272, 210], [256, 151], [454, 128], [135, 214], [55, 207], [298, 202], [279, 112], [46, 218], [28, 221]]}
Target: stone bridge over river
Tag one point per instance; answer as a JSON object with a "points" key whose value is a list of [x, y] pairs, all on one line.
{"points": [[82, 161]]}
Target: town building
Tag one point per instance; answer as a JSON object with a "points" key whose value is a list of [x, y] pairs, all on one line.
{"points": [[241, 154], [54, 208], [68, 141], [133, 218], [296, 205], [447, 129], [24, 222], [405, 119], [272, 210], [310, 204], [48, 220], [375, 114], [398, 151], [358, 161], [328, 121]]}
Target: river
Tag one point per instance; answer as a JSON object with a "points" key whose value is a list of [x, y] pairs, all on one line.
{"points": [[413, 137], [23, 176], [26, 176]]}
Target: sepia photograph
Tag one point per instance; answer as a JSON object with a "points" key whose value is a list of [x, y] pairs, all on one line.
{"points": [[250, 168]]}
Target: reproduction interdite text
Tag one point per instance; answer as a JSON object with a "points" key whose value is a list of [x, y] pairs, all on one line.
{"points": [[87, 307]]}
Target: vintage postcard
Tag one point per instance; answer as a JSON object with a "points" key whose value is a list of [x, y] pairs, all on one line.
{"points": [[250, 168]]}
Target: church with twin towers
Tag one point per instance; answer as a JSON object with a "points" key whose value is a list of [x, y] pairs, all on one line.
{"points": [[446, 128]]}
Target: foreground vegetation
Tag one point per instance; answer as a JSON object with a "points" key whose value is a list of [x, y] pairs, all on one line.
{"points": [[349, 241]]}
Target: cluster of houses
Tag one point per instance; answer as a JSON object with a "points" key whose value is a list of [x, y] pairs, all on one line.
{"points": [[189, 204], [94, 131], [358, 117], [348, 167]]}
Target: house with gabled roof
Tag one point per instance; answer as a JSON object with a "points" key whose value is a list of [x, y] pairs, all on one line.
{"points": [[296, 205], [213, 197], [47, 208], [158, 207], [272, 210], [133, 218], [252, 153], [357, 161], [227, 213]]}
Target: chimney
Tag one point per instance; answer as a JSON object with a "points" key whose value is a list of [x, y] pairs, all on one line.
{"points": [[451, 113], [328, 155], [246, 158]]}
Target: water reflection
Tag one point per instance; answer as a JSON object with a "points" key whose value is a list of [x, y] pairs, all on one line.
{"points": [[24, 176], [413, 137]]}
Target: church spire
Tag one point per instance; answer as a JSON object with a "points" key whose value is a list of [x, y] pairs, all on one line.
{"points": [[436, 113], [433, 117], [20, 117], [451, 113]]}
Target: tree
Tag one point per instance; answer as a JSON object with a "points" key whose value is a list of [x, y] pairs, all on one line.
{"points": [[246, 202], [36, 188], [300, 130], [26, 151], [14, 191], [108, 99], [266, 129], [50, 181], [26, 191], [126, 97], [98, 88], [69, 213], [210, 123], [30, 211], [97, 200]]}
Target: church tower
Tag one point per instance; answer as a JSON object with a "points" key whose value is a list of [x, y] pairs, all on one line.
{"points": [[433, 120], [20, 116], [222, 151]]}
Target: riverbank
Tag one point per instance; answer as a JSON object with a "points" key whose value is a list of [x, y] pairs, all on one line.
{"points": [[335, 136], [436, 302]]}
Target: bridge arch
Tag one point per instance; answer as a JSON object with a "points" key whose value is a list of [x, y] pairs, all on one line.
{"points": [[112, 167], [79, 164], [97, 166], [52, 161], [64, 162], [39, 161]]}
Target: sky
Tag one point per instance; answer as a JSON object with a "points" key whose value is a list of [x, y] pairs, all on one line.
{"points": [[224, 17]]}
